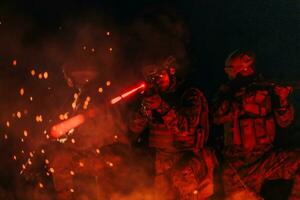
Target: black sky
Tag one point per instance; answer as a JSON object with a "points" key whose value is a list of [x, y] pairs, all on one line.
{"points": [[270, 28]]}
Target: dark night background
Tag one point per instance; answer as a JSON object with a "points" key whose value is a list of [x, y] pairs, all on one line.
{"points": [[212, 30], [200, 33]]}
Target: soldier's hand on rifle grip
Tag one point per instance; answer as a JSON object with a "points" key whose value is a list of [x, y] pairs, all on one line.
{"points": [[151, 102]]}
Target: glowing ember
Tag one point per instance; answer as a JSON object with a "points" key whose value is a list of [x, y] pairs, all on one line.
{"points": [[25, 133], [32, 72], [22, 91], [98, 151], [73, 141], [74, 105], [41, 185], [86, 102], [108, 33], [110, 49], [108, 83], [40, 76], [5, 136], [38, 118], [14, 62], [61, 117], [51, 170], [100, 89], [31, 98], [195, 192], [72, 173], [47, 161], [71, 131], [45, 75], [110, 164], [7, 124], [81, 164], [66, 115], [15, 157], [42, 151], [19, 115], [72, 190], [31, 154]]}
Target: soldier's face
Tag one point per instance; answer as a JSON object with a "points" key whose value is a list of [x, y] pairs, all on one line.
{"points": [[229, 70], [240, 65], [164, 81]]}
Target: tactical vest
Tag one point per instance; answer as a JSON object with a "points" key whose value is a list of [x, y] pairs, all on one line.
{"points": [[253, 124], [182, 128]]}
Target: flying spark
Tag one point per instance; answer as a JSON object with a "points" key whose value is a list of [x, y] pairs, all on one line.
{"points": [[22, 91], [32, 72]]}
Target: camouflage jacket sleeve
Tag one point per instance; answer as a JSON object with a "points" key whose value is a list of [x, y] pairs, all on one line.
{"points": [[283, 110], [222, 111], [193, 116]]}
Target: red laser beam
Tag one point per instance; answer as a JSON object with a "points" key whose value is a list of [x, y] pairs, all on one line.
{"points": [[126, 94], [64, 127]]}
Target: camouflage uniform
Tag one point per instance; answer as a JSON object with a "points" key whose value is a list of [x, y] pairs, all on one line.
{"points": [[250, 111], [178, 132]]}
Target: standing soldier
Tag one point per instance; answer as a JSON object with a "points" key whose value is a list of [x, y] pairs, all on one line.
{"points": [[250, 110], [178, 129]]}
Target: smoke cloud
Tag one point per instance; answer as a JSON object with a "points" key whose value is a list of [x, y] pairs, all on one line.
{"points": [[102, 58]]}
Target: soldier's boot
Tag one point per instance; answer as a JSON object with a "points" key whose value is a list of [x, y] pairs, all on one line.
{"points": [[295, 194]]}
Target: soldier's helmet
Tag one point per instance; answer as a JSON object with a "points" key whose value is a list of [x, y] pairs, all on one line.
{"points": [[162, 74], [239, 62]]}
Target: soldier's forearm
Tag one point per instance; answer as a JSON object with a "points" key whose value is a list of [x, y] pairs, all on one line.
{"points": [[285, 115]]}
